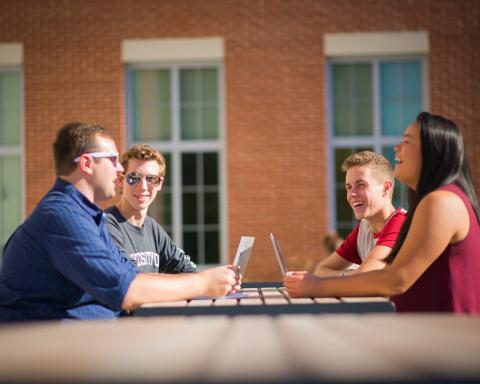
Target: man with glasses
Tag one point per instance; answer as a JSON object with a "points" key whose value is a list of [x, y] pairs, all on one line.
{"points": [[138, 236], [62, 263]]}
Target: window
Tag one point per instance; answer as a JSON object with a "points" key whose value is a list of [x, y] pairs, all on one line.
{"points": [[11, 190], [371, 102], [177, 109]]}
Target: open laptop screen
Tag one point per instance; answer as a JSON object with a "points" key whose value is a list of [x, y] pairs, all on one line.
{"points": [[243, 253], [278, 253]]}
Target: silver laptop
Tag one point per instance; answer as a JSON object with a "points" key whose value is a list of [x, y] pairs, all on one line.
{"points": [[278, 253], [243, 253], [241, 259]]}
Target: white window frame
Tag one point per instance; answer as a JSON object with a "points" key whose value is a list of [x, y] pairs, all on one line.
{"points": [[376, 140], [176, 146]]}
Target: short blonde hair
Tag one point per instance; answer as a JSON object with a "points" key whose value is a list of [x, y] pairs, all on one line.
{"points": [[372, 160], [144, 152]]}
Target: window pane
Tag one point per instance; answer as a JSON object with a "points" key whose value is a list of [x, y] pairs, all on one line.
{"points": [[201, 202], [389, 153], [152, 105], [10, 196], [212, 247], [340, 155], [209, 85], [363, 118], [188, 85], [190, 245], [189, 169], [341, 99], [342, 119], [199, 103], [189, 98], [412, 101], [390, 117], [362, 80], [401, 95], [211, 208], [189, 201], [411, 79], [352, 99], [210, 178], [344, 212], [9, 108], [210, 101], [400, 191], [210, 168], [161, 208], [189, 117], [210, 122], [341, 81]]}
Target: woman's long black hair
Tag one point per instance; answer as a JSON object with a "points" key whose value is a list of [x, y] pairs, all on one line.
{"points": [[444, 161]]}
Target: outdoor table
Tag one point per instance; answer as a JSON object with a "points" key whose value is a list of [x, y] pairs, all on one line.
{"points": [[265, 299]]}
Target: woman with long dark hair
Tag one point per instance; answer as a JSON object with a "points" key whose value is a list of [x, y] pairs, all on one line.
{"points": [[435, 263]]}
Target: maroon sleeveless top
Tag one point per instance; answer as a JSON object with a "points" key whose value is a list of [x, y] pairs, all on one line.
{"points": [[452, 282]]}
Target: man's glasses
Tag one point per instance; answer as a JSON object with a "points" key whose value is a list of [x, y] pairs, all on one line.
{"points": [[113, 156], [134, 178]]}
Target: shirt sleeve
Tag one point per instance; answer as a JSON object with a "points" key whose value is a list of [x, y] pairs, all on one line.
{"points": [[84, 253], [173, 259], [348, 249], [390, 232]]}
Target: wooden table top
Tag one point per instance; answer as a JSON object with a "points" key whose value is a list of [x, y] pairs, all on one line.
{"points": [[277, 349], [255, 299]]}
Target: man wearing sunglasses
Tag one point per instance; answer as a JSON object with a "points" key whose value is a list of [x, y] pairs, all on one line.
{"points": [[138, 236], [62, 263]]}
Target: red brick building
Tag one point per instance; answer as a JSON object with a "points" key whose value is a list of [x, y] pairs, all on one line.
{"points": [[254, 103]]}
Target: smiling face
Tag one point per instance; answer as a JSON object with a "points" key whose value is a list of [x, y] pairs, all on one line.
{"points": [[366, 193], [138, 197], [408, 157]]}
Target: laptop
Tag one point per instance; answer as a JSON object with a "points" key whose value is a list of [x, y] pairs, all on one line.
{"points": [[278, 253], [243, 253], [244, 250]]}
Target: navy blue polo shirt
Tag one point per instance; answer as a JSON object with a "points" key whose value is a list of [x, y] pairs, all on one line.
{"points": [[61, 263]]}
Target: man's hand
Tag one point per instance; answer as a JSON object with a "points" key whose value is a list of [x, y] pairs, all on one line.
{"points": [[221, 281], [301, 284]]}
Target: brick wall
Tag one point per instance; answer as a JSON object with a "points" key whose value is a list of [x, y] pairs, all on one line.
{"points": [[275, 91]]}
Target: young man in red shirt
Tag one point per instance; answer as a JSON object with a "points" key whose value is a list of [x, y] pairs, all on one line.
{"points": [[369, 183]]}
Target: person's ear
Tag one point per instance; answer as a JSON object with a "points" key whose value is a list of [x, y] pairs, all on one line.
{"points": [[387, 186], [160, 185], [119, 182], [85, 164]]}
